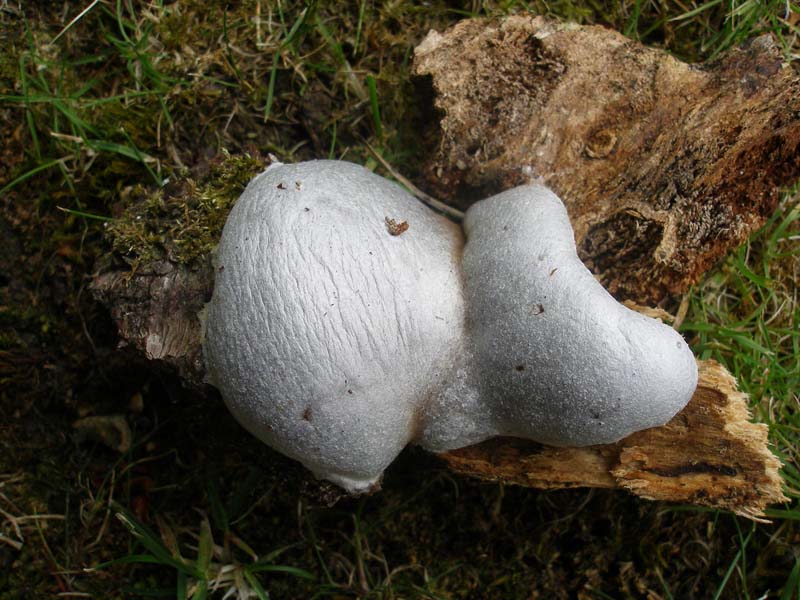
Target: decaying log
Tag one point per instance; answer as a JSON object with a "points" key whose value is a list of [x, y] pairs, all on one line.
{"points": [[709, 454], [664, 166]]}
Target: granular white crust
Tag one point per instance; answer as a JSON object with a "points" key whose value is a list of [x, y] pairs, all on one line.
{"points": [[328, 327], [345, 325], [560, 361]]}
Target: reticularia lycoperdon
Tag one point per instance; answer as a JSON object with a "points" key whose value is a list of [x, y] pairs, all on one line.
{"points": [[338, 336]]}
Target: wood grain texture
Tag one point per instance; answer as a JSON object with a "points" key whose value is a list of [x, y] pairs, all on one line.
{"points": [[710, 454], [664, 166]]}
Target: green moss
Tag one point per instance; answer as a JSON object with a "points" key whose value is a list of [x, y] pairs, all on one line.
{"points": [[183, 222]]}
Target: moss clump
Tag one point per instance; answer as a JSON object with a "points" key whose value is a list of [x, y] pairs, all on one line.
{"points": [[183, 221]]}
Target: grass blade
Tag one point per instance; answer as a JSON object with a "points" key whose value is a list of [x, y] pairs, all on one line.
{"points": [[23, 77], [792, 587], [301, 19], [152, 543], [694, 12], [201, 591], [80, 213], [271, 87], [373, 101], [114, 148], [361, 9], [205, 548], [31, 173], [77, 18], [181, 592], [297, 572], [255, 584], [732, 566], [131, 559]]}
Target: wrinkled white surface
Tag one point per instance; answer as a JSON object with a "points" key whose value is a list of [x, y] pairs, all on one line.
{"points": [[337, 343], [325, 332], [560, 361]]}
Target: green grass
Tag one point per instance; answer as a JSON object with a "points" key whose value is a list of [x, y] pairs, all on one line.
{"points": [[214, 568], [106, 111], [743, 20], [746, 315]]}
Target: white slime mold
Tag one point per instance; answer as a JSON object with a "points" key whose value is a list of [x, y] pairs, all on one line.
{"points": [[337, 336]]}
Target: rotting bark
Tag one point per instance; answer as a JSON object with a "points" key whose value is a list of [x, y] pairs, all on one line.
{"points": [[710, 454], [157, 309], [664, 166]]}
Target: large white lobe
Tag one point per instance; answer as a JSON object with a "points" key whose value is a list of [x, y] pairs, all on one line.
{"points": [[325, 332], [559, 360]]}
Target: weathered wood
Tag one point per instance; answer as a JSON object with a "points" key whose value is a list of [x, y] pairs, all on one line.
{"points": [[157, 309], [664, 166], [710, 454]]}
